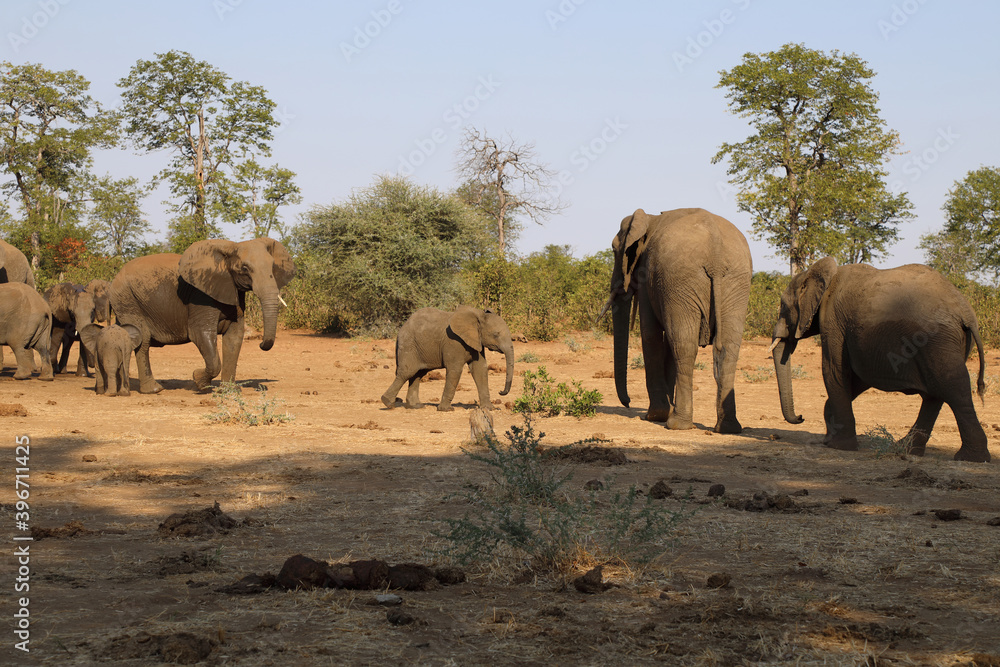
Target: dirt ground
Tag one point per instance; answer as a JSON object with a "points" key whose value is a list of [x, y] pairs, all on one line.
{"points": [[860, 569]]}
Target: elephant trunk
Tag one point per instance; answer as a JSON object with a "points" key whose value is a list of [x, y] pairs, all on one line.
{"points": [[782, 353], [620, 321], [509, 354], [269, 308]]}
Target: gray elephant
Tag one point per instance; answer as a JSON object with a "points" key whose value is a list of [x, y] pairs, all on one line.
{"points": [[72, 309], [100, 292], [112, 347], [197, 296], [905, 329], [433, 338], [14, 268], [687, 273], [25, 325]]}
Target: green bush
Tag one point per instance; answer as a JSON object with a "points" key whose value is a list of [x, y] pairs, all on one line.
{"points": [[543, 396], [527, 512], [765, 301]]}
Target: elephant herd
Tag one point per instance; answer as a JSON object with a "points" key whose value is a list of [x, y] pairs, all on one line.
{"points": [[157, 300], [686, 273]]}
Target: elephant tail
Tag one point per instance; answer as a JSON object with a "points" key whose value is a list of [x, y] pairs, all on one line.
{"points": [[981, 383]]}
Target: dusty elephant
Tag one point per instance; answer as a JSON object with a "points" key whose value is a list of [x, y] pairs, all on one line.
{"points": [[197, 296], [905, 329], [72, 309], [433, 338], [25, 325], [688, 272], [100, 291], [14, 268], [112, 348]]}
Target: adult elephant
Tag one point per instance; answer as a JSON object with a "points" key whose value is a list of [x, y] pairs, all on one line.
{"points": [[433, 338], [687, 272], [72, 309], [100, 291], [14, 268], [197, 296], [906, 329]]}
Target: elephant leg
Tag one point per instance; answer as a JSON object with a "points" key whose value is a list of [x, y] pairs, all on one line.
{"points": [[655, 353], [973, 437], [101, 381], [25, 361], [724, 360], [413, 390], [147, 383], [207, 344], [920, 432], [838, 413], [389, 397], [453, 373], [45, 364], [480, 375], [731, 298], [55, 342], [122, 381], [685, 352], [232, 343], [83, 362]]}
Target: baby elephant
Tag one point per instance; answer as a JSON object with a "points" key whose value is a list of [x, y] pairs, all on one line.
{"points": [[112, 348]]}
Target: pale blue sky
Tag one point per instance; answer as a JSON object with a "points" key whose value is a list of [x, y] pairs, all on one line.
{"points": [[565, 75]]}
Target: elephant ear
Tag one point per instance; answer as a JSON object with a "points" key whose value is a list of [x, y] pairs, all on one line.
{"points": [[633, 243], [134, 334], [284, 267], [206, 265], [465, 323], [89, 335], [811, 292]]}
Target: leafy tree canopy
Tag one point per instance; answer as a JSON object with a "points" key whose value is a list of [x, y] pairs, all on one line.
{"points": [[970, 240]]}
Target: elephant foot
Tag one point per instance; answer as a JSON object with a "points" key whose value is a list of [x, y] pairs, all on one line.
{"points": [[47, 378], [973, 454], [22, 376], [658, 414], [730, 426], [916, 450], [677, 424], [445, 408], [202, 380], [388, 402], [843, 444], [413, 406], [153, 388]]}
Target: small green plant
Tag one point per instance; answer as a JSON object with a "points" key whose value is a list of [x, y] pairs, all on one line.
{"points": [[233, 408], [800, 373], [576, 346], [700, 365], [543, 396], [528, 358], [762, 374], [527, 511], [881, 443], [637, 362]]}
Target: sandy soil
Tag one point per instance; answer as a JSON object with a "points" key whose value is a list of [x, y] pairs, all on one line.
{"points": [[859, 571]]}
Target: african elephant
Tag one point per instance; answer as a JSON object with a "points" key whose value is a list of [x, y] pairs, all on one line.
{"points": [[72, 309], [25, 325], [14, 268], [112, 347], [433, 338], [905, 329], [689, 272], [100, 291], [197, 296]]}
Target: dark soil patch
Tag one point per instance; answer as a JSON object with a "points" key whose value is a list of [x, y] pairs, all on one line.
{"points": [[208, 521]]}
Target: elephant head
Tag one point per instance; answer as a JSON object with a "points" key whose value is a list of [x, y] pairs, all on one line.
{"points": [[628, 246], [222, 269], [484, 328], [100, 290], [798, 318]]}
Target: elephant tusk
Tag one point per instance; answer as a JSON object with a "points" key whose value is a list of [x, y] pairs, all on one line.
{"points": [[774, 344], [607, 307], [635, 307], [282, 301]]}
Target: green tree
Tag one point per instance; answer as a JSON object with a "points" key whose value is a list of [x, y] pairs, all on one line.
{"points": [[209, 123], [253, 195], [48, 127], [389, 249], [116, 218], [972, 229], [813, 173]]}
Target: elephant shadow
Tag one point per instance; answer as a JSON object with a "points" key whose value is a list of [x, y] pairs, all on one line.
{"points": [[785, 436], [253, 384]]}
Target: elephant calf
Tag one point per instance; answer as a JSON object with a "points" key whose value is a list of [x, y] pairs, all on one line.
{"points": [[433, 338], [25, 325], [905, 329], [112, 348]]}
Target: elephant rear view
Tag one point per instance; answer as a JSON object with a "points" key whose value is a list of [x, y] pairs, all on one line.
{"points": [[433, 338], [195, 297], [687, 272]]}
